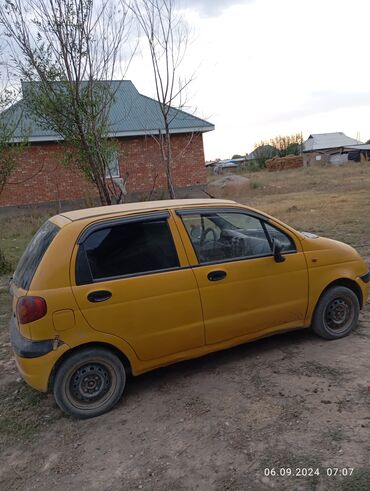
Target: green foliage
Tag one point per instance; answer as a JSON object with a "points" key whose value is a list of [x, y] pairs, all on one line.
{"points": [[288, 145], [9, 152], [263, 152], [79, 113], [280, 146], [5, 266]]}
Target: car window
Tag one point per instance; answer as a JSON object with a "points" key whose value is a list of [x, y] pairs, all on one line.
{"points": [[285, 241], [33, 254], [127, 249], [224, 236]]}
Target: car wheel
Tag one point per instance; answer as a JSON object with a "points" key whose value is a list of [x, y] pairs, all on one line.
{"points": [[336, 313], [89, 382]]}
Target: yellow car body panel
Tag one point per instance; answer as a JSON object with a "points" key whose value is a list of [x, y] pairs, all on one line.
{"points": [[37, 371], [161, 317]]}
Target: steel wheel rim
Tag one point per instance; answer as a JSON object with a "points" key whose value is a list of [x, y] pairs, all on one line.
{"points": [[91, 384], [338, 315]]}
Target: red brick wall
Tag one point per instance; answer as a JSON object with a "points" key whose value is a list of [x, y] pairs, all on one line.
{"points": [[41, 177]]}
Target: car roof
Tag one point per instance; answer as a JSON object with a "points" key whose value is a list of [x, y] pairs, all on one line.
{"points": [[142, 206]]}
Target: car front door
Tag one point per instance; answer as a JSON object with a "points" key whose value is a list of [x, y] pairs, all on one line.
{"points": [[133, 281], [244, 291]]}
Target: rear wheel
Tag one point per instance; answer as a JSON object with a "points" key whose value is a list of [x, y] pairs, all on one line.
{"points": [[89, 382], [336, 313]]}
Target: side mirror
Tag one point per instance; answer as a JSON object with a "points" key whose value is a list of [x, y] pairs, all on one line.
{"points": [[276, 251]]}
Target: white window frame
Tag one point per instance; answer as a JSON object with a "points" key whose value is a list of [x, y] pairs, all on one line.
{"points": [[113, 167]]}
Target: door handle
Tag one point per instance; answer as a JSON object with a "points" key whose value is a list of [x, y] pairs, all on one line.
{"points": [[216, 275], [99, 296]]}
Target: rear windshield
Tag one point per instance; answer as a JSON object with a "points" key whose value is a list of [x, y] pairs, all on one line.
{"points": [[33, 254]]}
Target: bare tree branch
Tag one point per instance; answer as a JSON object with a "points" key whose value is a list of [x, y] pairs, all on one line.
{"points": [[167, 37]]}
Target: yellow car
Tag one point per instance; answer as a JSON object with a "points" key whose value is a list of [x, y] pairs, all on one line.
{"points": [[107, 291]]}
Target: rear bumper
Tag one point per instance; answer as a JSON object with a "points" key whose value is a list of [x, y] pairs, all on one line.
{"points": [[35, 360], [26, 348]]}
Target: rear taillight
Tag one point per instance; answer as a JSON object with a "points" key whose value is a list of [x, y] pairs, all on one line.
{"points": [[30, 309]]}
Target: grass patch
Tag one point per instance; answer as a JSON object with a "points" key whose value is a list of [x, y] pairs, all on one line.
{"points": [[359, 481], [24, 412], [256, 185], [313, 368], [331, 201], [16, 232], [5, 266]]}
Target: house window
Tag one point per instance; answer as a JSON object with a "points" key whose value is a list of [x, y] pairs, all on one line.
{"points": [[113, 166]]}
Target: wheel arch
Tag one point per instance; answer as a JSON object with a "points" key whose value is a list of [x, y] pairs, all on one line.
{"points": [[124, 359], [347, 282]]}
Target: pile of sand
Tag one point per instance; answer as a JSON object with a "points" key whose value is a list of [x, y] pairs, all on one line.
{"points": [[231, 187]]}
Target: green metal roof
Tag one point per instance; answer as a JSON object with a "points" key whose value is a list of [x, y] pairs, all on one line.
{"points": [[131, 114]]}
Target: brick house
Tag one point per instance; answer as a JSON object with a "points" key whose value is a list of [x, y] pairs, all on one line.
{"points": [[40, 177]]}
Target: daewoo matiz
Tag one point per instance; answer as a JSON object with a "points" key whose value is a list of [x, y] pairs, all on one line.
{"points": [[105, 291]]}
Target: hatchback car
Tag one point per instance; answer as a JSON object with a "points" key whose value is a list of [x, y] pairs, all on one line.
{"points": [[102, 292]]}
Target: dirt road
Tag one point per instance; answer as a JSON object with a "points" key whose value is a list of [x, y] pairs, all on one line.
{"points": [[292, 401]]}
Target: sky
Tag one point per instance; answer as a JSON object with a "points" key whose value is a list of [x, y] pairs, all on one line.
{"points": [[273, 67]]}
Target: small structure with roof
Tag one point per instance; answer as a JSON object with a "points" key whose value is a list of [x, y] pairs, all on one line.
{"points": [[333, 148]]}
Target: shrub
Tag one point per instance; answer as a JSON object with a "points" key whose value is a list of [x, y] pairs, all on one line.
{"points": [[5, 266]]}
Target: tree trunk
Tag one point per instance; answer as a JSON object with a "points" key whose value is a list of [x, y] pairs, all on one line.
{"points": [[168, 164]]}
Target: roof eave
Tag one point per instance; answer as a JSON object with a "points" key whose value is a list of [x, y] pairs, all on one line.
{"points": [[118, 134]]}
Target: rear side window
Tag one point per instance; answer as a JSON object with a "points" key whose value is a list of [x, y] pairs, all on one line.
{"points": [[33, 254], [125, 249]]}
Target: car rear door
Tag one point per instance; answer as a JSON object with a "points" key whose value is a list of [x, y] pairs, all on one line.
{"points": [[132, 279], [244, 291]]}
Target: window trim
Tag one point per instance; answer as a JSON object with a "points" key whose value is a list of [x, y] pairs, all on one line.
{"points": [[133, 275], [112, 222], [147, 217], [208, 211], [110, 175]]}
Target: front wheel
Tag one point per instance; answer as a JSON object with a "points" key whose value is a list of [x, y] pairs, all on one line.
{"points": [[89, 382], [336, 313]]}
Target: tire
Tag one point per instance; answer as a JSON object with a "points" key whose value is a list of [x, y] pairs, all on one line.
{"points": [[89, 382], [336, 313]]}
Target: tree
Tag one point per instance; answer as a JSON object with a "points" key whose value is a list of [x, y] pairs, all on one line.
{"points": [[262, 152], [288, 145], [280, 146], [68, 51], [9, 149], [167, 36]]}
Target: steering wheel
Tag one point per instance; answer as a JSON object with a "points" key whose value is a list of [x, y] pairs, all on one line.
{"points": [[205, 232]]}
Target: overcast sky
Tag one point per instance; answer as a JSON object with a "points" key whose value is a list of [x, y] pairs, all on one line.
{"points": [[270, 67]]}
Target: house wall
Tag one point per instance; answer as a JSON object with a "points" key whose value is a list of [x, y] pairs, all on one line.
{"points": [[315, 158], [40, 176]]}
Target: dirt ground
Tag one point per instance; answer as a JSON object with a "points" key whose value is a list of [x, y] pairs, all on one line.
{"points": [[289, 403]]}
